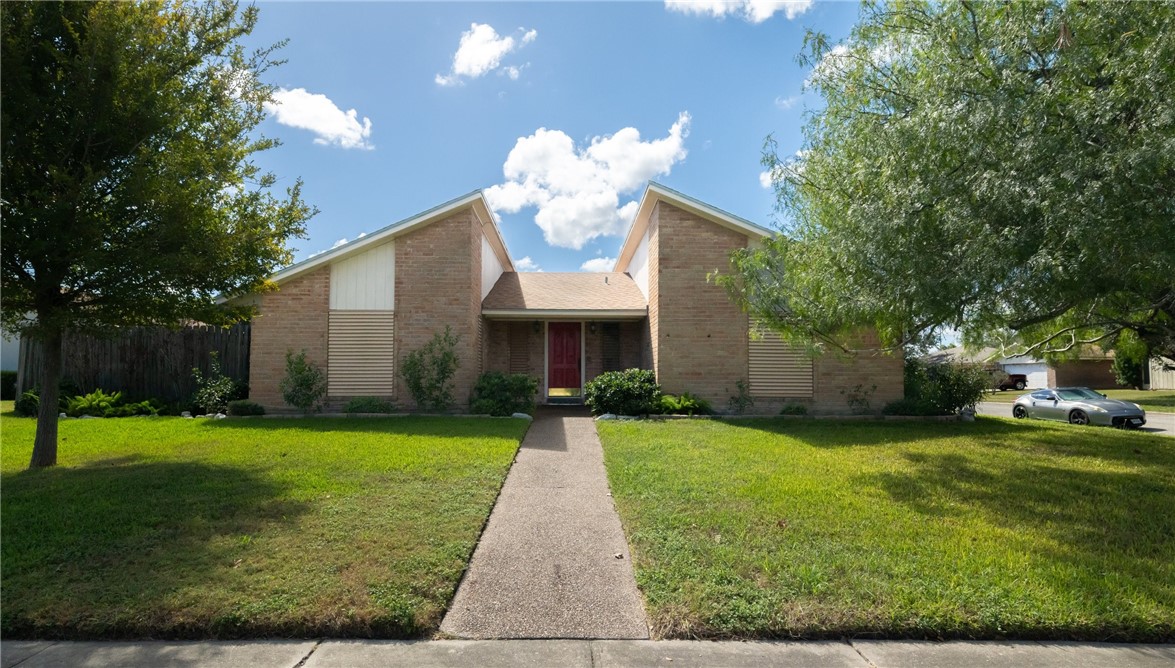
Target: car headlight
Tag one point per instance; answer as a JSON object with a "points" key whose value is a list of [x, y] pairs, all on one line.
{"points": [[1097, 409]]}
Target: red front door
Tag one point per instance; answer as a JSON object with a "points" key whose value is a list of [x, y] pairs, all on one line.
{"points": [[563, 358]]}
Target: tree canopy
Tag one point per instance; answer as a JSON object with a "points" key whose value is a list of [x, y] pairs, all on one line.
{"points": [[1005, 169], [129, 194]]}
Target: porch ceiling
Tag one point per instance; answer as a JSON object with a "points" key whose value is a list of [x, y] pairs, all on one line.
{"points": [[592, 296]]}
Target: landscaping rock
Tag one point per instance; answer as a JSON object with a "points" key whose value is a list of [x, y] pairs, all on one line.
{"points": [[606, 416], [61, 415], [186, 414], [523, 415]]}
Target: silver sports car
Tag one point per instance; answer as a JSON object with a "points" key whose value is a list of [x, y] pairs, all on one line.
{"points": [[1079, 405]]}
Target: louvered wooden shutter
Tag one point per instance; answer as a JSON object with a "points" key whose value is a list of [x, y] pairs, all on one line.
{"points": [[361, 354], [777, 369]]}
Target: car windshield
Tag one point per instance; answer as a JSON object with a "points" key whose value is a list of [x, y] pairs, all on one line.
{"points": [[1078, 394]]}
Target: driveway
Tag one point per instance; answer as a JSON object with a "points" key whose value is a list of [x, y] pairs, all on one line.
{"points": [[1156, 423]]}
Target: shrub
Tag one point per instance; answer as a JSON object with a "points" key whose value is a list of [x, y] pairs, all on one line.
{"points": [[502, 394], [907, 406], [428, 371], [948, 388], [741, 401], [214, 391], [1128, 372], [96, 403], [629, 392], [683, 404], [857, 397], [794, 409], [244, 407], [7, 385], [369, 405], [305, 383], [28, 404]]}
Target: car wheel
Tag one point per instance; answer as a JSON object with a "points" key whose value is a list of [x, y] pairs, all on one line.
{"points": [[1020, 385], [1078, 417], [1019, 412]]}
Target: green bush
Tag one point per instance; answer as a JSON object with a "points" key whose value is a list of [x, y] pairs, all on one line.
{"points": [[214, 391], [741, 401], [629, 392], [245, 407], [305, 383], [96, 403], [28, 404], [948, 388], [502, 394], [428, 372], [7, 385], [683, 404], [794, 409], [369, 405], [906, 406]]}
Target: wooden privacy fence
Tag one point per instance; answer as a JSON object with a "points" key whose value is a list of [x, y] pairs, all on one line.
{"points": [[142, 362]]}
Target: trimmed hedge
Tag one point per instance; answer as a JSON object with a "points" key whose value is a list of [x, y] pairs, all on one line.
{"points": [[502, 394], [629, 392]]}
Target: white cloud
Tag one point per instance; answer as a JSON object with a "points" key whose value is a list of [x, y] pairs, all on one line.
{"points": [[527, 264], [481, 51], [754, 11], [839, 59], [340, 242], [577, 189], [598, 264], [765, 179], [300, 109], [786, 103]]}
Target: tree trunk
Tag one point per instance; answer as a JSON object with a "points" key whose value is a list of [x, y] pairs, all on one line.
{"points": [[45, 444]]}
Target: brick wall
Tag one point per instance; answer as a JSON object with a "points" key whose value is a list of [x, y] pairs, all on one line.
{"points": [[836, 376], [700, 336], [293, 318], [438, 283]]}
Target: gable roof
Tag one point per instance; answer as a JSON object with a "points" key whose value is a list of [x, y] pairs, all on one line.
{"points": [[530, 294], [655, 192], [475, 199]]}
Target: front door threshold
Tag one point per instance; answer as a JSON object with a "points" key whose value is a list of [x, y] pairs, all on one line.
{"points": [[565, 401]]}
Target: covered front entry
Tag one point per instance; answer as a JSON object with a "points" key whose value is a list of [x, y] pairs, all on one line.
{"points": [[564, 360]]}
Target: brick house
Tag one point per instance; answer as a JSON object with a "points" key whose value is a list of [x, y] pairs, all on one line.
{"points": [[358, 309]]}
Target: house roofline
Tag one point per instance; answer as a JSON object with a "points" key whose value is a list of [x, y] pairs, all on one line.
{"points": [[475, 199], [656, 192], [567, 314]]}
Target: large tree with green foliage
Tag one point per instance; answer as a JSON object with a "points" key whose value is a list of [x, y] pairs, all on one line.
{"points": [[129, 195], [1003, 168]]}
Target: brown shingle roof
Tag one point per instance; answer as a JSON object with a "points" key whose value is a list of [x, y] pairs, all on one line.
{"points": [[548, 291]]}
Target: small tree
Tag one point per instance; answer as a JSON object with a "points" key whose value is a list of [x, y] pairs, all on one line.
{"points": [[305, 383], [428, 372], [213, 391]]}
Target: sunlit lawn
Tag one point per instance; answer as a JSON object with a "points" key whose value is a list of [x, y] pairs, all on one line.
{"points": [[991, 529], [1152, 400], [166, 527]]}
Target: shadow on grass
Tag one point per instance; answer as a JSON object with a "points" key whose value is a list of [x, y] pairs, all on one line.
{"points": [[103, 550], [411, 425]]}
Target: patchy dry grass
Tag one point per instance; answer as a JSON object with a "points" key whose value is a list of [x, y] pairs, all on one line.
{"points": [[165, 527], [816, 529]]}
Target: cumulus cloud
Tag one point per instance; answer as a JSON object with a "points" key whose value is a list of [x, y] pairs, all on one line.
{"points": [[481, 51], [598, 264], [527, 264], [754, 11], [765, 179], [786, 103], [304, 110], [338, 243], [577, 189]]}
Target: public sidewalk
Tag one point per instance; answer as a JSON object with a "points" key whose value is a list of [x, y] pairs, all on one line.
{"points": [[582, 653], [553, 561]]}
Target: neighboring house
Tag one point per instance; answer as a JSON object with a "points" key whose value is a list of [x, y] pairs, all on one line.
{"points": [[1159, 374], [1091, 368], [358, 309]]}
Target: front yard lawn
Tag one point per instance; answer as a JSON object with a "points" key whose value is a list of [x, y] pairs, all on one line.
{"points": [[1162, 401], [166, 527], [822, 529]]}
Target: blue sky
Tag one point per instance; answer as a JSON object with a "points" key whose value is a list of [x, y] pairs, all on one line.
{"points": [[561, 111]]}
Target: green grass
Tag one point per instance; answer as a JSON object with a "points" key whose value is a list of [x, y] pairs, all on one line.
{"points": [[166, 527], [1162, 401], [822, 529]]}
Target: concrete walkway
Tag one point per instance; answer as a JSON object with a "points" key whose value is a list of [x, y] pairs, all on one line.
{"points": [[585, 653], [553, 561]]}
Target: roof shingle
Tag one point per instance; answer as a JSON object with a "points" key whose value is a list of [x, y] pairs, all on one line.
{"points": [[549, 291]]}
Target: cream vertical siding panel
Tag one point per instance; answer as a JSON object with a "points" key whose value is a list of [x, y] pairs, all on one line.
{"points": [[491, 267], [361, 354], [638, 266], [776, 369], [365, 282], [1162, 373]]}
